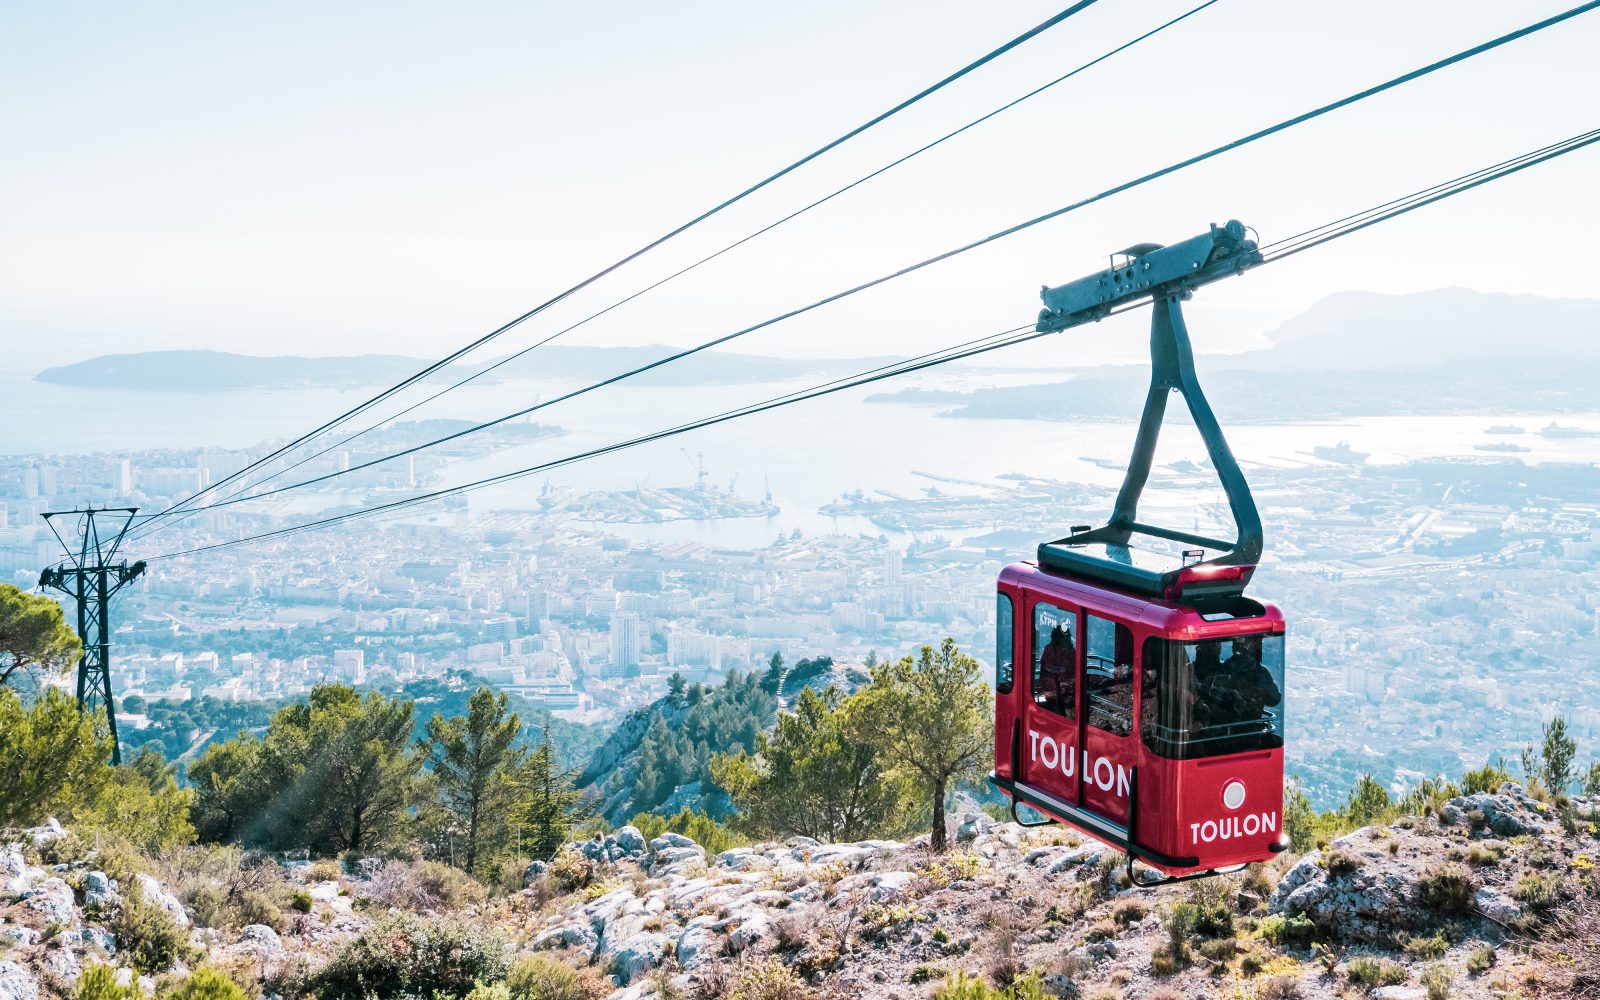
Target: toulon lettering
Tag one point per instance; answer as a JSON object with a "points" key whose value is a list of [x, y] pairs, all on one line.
{"points": [[1104, 774], [1233, 827]]}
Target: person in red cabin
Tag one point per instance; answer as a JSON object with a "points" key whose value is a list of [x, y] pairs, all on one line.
{"points": [[1058, 665]]}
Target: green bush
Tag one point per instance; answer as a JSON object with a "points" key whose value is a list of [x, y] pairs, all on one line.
{"points": [[1481, 960], [99, 982], [571, 870], [301, 901], [1538, 891], [701, 829], [208, 983], [1279, 930], [256, 907], [147, 935], [1487, 778], [1448, 889], [1436, 979], [407, 955], [1425, 949], [421, 886], [539, 977], [770, 980], [1374, 972]]}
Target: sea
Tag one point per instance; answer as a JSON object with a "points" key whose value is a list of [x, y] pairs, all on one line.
{"points": [[804, 455]]}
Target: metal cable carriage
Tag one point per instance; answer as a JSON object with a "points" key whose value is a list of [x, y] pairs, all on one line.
{"points": [[1148, 707]]}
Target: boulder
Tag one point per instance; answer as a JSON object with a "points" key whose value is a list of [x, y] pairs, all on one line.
{"points": [[1502, 810], [52, 899], [17, 983], [575, 935], [1400, 993], [750, 930], [631, 841], [971, 826], [41, 835], [638, 954], [99, 891], [668, 859], [890, 887], [670, 839], [532, 873], [1499, 907], [19, 937], [263, 937], [699, 942], [154, 893]]}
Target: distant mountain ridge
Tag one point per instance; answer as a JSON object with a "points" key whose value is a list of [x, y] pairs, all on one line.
{"points": [[212, 371], [1352, 354]]}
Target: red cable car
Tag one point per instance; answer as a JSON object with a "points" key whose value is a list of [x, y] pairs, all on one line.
{"points": [[1138, 692]]}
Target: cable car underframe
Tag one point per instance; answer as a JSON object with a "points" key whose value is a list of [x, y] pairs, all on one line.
{"points": [[1149, 711]]}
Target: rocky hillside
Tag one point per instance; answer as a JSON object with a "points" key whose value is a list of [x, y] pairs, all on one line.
{"points": [[1492, 895]]}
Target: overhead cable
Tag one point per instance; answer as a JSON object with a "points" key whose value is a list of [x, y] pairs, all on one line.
{"points": [[524, 352], [983, 60], [1006, 338], [948, 254]]}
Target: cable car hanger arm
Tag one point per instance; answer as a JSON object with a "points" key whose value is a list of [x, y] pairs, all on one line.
{"points": [[1165, 275]]}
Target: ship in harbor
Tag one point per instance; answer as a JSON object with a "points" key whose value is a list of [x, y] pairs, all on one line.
{"points": [[1504, 429], [1505, 446], [704, 501], [1341, 453], [1555, 430]]}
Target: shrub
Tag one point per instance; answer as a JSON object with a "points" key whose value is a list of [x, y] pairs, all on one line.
{"points": [[770, 980], [1279, 988], [99, 982], [1485, 855], [1374, 972], [411, 955], [300, 900], [324, 870], [1481, 960], [1436, 979], [963, 987], [1538, 891], [539, 977], [256, 907], [1279, 930], [1219, 949], [423, 886], [1487, 778], [571, 870], [207, 983], [1426, 949], [1129, 910], [1447, 889], [147, 935], [1339, 862]]}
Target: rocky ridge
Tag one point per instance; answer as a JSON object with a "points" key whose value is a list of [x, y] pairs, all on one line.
{"points": [[1468, 896]]}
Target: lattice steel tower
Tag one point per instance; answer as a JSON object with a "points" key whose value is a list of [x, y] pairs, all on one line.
{"points": [[90, 578]]}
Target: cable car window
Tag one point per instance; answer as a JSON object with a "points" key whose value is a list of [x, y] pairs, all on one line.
{"points": [[1210, 698], [1108, 676], [1003, 645], [1055, 659]]}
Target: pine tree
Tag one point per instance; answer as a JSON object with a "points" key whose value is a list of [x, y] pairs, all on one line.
{"points": [[1557, 755], [933, 719], [772, 680], [547, 804], [475, 760]]}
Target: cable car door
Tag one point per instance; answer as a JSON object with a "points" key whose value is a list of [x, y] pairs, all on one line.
{"points": [[1049, 755], [1106, 724]]}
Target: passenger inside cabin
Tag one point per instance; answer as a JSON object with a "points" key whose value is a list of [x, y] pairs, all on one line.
{"points": [[1248, 686], [1057, 665]]}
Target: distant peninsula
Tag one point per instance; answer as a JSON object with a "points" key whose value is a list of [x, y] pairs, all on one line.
{"points": [[217, 371]]}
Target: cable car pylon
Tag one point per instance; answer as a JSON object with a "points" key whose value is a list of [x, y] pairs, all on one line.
{"points": [[1149, 713], [90, 577]]}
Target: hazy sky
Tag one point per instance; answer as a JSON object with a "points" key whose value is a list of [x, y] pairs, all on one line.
{"points": [[341, 178]]}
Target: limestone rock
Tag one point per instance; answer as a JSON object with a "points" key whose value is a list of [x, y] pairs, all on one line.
{"points": [[17, 983], [631, 841], [154, 893], [52, 899], [263, 937], [575, 935]]}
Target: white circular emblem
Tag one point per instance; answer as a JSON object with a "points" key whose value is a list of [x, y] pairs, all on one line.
{"points": [[1233, 794]]}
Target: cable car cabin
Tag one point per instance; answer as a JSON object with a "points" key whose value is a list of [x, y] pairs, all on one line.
{"points": [[1139, 693], [1144, 723]]}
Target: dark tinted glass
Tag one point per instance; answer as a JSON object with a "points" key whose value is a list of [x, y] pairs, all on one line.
{"points": [[1212, 698]]}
